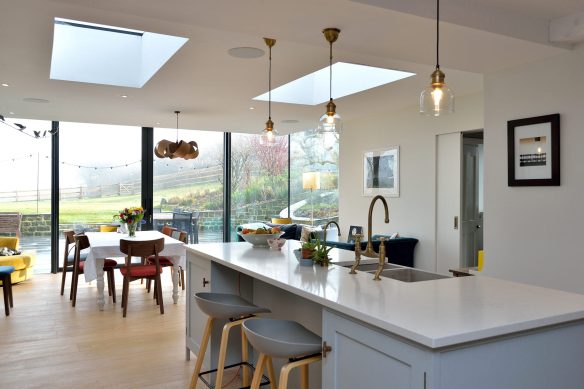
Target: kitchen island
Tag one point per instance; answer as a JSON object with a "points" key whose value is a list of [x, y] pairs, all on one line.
{"points": [[448, 333]]}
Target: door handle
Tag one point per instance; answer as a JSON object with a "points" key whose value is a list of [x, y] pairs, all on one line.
{"points": [[205, 282], [456, 222], [326, 349], [478, 226]]}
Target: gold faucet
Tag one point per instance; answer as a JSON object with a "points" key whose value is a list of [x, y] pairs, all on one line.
{"points": [[381, 259], [329, 223], [357, 253], [369, 252]]}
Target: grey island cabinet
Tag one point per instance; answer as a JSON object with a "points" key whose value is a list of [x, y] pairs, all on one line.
{"points": [[467, 332]]}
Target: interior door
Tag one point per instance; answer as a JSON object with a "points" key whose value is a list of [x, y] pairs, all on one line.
{"points": [[448, 191], [471, 215]]}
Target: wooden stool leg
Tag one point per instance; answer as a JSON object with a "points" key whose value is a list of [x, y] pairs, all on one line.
{"points": [[304, 377], [244, 358], [223, 351], [271, 374], [201, 354], [10, 291], [287, 368], [259, 370]]}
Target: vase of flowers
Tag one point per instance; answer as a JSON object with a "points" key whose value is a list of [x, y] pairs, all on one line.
{"points": [[131, 217]]}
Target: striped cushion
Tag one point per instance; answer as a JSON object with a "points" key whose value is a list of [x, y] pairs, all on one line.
{"points": [[140, 271]]}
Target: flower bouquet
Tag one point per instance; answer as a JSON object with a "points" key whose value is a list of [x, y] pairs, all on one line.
{"points": [[131, 217]]}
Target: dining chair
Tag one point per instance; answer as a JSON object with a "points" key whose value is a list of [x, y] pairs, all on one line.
{"points": [[69, 257], [166, 261], [184, 221], [108, 228], [82, 243], [167, 230], [138, 271]]}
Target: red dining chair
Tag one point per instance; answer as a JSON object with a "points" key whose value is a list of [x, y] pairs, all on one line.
{"points": [[167, 262], [82, 243], [138, 271]]}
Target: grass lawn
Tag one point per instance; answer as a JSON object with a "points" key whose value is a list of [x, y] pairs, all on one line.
{"points": [[96, 210]]}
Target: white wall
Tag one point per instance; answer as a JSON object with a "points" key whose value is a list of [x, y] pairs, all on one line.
{"points": [[536, 234], [413, 213]]}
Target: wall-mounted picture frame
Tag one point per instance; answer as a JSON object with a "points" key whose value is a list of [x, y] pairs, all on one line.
{"points": [[533, 151], [381, 172]]}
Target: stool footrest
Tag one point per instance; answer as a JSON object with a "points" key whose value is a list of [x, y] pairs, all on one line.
{"points": [[265, 380]]}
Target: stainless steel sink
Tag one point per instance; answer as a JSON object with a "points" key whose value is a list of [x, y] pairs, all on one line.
{"points": [[373, 266], [410, 275]]}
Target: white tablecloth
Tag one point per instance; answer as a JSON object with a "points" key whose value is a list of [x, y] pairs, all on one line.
{"points": [[107, 244]]}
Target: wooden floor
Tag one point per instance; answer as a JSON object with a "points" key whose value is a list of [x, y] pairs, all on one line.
{"points": [[47, 343]]}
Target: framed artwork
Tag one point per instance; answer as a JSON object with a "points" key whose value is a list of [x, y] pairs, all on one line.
{"points": [[381, 172], [354, 230], [533, 151]]}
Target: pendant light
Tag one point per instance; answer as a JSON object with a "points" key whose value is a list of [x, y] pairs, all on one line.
{"points": [[268, 137], [182, 149], [331, 121], [437, 98]]}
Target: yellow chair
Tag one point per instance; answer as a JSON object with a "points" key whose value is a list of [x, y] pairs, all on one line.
{"points": [[281, 220], [108, 228], [22, 263]]}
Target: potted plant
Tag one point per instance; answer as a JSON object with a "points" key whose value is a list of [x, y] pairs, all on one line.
{"points": [[320, 253], [307, 250]]}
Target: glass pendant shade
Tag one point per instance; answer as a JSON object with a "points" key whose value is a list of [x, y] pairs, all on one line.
{"points": [[437, 98], [269, 135], [330, 123]]}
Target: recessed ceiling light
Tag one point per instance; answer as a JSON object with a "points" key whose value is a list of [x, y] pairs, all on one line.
{"points": [[251, 108], [124, 96], [246, 52], [290, 121], [348, 79], [157, 123], [35, 100], [11, 113], [5, 84]]}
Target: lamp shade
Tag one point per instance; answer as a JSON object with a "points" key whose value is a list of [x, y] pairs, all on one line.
{"points": [[310, 180]]}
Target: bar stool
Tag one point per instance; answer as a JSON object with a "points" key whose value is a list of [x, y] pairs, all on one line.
{"points": [[237, 310], [283, 339], [5, 274]]}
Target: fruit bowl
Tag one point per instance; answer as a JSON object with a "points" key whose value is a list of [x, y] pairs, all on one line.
{"points": [[259, 240]]}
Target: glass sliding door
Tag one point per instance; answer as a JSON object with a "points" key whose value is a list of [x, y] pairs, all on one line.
{"points": [[99, 174], [259, 180], [25, 164], [189, 193], [314, 174]]}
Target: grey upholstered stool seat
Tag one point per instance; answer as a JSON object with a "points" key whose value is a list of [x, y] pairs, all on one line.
{"points": [[226, 306], [222, 306], [282, 339]]}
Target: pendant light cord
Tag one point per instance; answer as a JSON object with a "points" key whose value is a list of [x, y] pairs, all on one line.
{"points": [[270, 87], [331, 71], [177, 112], [437, 33]]}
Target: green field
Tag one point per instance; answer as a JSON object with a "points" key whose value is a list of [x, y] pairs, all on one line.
{"points": [[98, 210]]}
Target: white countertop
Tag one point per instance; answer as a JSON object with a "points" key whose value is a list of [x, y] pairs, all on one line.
{"points": [[436, 314]]}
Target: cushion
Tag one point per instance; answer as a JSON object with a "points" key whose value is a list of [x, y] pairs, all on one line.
{"points": [[5, 270], [140, 271], [162, 260], [107, 263], [311, 232], [6, 252], [9, 241]]}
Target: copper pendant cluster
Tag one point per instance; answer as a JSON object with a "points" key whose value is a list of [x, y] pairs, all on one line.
{"points": [[182, 149]]}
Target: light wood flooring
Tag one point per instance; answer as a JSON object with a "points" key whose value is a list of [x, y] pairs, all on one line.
{"points": [[47, 343]]}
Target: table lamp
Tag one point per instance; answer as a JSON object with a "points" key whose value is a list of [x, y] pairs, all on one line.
{"points": [[311, 180]]}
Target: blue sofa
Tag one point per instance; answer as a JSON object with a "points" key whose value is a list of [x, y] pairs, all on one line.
{"points": [[399, 250]]}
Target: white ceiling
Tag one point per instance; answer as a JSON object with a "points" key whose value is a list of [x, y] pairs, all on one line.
{"points": [[214, 90]]}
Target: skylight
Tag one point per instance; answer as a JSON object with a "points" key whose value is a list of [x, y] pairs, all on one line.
{"points": [[100, 54], [348, 78]]}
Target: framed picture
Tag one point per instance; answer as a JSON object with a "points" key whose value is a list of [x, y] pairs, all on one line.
{"points": [[381, 172], [354, 230], [533, 151]]}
